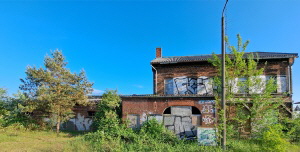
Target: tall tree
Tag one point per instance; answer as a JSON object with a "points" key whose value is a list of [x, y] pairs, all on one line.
{"points": [[54, 90], [249, 91]]}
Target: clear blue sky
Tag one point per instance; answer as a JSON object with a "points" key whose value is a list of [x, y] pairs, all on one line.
{"points": [[114, 41]]}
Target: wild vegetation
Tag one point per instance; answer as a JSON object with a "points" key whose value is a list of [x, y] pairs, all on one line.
{"points": [[248, 93], [54, 87]]}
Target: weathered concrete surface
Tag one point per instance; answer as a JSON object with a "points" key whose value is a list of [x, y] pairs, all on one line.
{"points": [[181, 110], [182, 122], [134, 120], [169, 120], [196, 120]]}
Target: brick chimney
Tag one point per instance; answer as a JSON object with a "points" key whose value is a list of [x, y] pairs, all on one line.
{"points": [[158, 53]]}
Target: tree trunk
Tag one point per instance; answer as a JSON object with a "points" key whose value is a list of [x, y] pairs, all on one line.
{"points": [[58, 126]]}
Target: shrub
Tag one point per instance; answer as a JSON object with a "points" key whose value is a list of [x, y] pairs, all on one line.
{"points": [[107, 117], [292, 128], [273, 139]]}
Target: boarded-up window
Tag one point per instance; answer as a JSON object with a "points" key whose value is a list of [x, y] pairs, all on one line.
{"points": [[181, 110], [134, 120], [205, 85], [196, 120]]}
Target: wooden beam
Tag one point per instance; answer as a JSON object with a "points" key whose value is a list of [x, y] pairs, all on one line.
{"points": [[247, 106], [286, 108]]}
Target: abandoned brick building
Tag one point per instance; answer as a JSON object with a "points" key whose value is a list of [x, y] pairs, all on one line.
{"points": [[182, 96]]}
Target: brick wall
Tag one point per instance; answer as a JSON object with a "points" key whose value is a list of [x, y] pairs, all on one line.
{"points": [[144, 106], [197, 69]]}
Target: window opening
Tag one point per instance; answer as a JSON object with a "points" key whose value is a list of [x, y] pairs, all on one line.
{"points": [[168, 111], [195, 111]]}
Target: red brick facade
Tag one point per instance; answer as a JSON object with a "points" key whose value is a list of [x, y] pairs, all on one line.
{"points": [[144, 106]]}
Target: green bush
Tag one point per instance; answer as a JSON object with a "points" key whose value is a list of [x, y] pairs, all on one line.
{"points": [[292, 128], [273, 139], [107, 117]]}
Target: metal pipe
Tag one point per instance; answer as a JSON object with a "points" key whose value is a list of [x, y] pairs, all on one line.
{"points": [[155, 79], [223, 79]]}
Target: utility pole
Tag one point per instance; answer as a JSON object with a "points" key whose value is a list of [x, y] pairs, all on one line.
{"points": [[223, 79]]}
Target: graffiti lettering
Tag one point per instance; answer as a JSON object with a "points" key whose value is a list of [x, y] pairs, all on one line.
{"points": [[208, 119], [206, 102], [185, 85], [207, 109]]}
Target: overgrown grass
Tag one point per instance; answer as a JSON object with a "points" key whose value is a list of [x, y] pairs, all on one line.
{"points": [[12, 139], [16, 139]]}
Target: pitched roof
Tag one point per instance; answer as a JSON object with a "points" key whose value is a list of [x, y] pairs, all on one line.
{"points": [[200, 58]]}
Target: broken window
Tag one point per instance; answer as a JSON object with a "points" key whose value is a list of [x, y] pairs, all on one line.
{"points": [[91, 113]]}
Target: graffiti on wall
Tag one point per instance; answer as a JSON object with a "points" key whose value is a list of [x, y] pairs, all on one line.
{"points": [[206, 102], [207, 136], [208, 119], [203, 85], [208, 109], [82, 123], [181, 121], [186, 85]]}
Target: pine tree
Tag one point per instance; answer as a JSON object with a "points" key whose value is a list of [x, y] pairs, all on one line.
{"points": [[54, 90]]}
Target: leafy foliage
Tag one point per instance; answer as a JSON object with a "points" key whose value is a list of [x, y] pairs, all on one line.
{"points": [[273, 139], [247, 93], [13, 111], [292, 128], [53, 91], [107, 117]]}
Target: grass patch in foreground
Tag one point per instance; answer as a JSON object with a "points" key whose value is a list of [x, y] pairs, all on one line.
{"points": [[31, 141]]}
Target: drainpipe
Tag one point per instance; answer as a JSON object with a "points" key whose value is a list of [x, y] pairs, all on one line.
{"points": [[155, 79], [290, 80]]}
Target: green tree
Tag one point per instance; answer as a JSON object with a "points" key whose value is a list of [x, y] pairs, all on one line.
{"points": [[13, 110], [107, 117], [248, 91], [54, 90], [3, 100]]}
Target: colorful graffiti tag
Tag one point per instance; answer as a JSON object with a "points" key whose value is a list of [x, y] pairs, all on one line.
{"points": [[207, 136]]}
